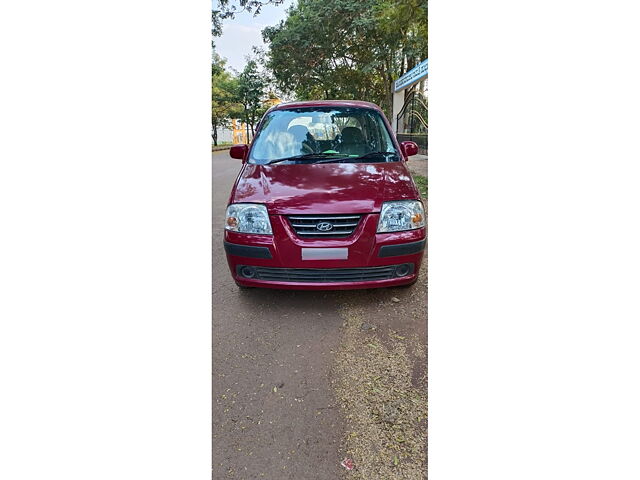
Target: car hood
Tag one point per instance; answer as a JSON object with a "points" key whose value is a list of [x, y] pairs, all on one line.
{"points": [[323, 188]]}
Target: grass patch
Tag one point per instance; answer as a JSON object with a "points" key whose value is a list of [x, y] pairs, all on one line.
{"points": [[385, 414], [421, 183]]}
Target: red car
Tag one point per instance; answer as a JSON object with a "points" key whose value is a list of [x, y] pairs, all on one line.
{"points": [[324, 201]]}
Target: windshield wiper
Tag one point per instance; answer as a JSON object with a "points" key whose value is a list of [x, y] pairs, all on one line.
{"points": [[355, 158], [304, 157]]}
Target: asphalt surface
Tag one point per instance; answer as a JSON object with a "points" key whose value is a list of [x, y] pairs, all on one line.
{"points": [[274, 414]]}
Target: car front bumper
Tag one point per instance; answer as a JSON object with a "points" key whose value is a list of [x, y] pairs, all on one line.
{"points": [[373, 260]]}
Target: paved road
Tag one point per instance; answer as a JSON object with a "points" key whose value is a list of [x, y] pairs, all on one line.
{"points": [[273, 407]]}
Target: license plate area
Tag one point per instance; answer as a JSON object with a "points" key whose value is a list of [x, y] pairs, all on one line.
{"points": [[325, 253]]}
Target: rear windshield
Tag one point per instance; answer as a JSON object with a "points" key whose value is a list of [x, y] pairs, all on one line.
{"points": [[324, 134]]}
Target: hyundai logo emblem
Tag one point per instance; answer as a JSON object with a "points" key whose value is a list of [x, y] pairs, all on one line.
{"points": [[324, 226]]}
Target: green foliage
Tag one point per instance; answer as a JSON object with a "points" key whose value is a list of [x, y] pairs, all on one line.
{"points": [[252, 89], [217, 64], [241, 96], [338, 49], [408, 20], [422, 185], [226, 9], [223, 96], [347, 49]]}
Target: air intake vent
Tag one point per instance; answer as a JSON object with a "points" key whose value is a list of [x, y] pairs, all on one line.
{"points": [[312, 275], [320, 226]]}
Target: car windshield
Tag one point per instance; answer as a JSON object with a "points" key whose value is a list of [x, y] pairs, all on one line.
{"points": [[323, 134]]}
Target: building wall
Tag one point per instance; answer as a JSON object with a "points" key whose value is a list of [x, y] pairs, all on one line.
{"points": [[225, 135]]}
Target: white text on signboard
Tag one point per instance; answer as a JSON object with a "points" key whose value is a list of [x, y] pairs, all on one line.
{"points": [[412, 76]]}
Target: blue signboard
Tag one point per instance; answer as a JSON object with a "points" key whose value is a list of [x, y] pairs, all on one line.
{"points": [[414, 75]]}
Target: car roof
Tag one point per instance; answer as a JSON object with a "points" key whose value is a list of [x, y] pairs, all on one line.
{"points": [[326, 103]]}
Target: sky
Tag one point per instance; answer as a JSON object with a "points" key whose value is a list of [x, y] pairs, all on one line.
{"points": [[240, 34]]}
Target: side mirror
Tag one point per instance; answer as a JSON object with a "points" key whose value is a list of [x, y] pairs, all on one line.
{"points": [[409, 148], [239, 151]]}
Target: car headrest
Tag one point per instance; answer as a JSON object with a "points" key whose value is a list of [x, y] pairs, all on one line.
{"points": [[352, 135], [299, 132]]}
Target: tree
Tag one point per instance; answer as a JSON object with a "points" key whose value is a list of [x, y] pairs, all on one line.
{"points": [[349, 49], [223, 96], [226, 9], [251, 90], [218, 64], [238, 97]]}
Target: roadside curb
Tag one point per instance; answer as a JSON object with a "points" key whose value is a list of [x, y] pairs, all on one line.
{"points": [[220, 147]]}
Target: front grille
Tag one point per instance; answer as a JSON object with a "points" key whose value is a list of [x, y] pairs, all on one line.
{"points": [[309, 226], [328, 274]]}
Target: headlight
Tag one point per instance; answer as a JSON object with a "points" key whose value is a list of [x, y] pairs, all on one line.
{"points": [[248, 218], [401, 215]]}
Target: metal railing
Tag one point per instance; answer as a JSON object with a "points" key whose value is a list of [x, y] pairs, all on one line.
{"points": [[411, 122]]}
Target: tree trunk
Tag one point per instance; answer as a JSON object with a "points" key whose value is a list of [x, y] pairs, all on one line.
{"points": [[246, 123]]}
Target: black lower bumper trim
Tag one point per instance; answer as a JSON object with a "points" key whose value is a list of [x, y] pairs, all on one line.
{"points": [[247, 251], [331, 275], [402, 249]]}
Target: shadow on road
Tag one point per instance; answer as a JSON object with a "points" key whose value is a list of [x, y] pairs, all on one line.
{"points": [[309, 298]]}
